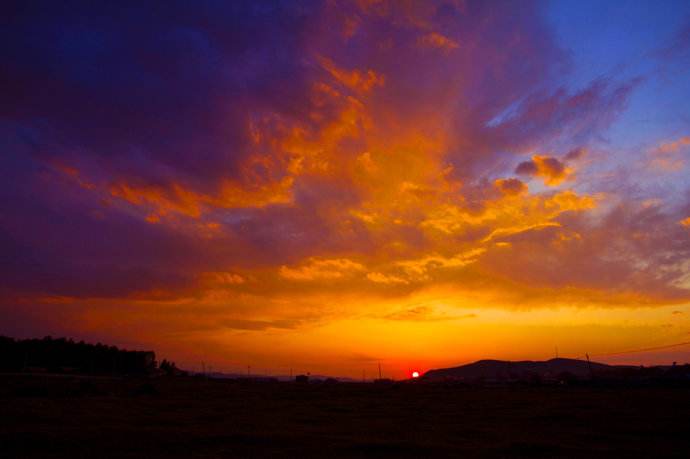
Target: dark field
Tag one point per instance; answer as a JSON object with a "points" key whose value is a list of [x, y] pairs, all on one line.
{"points": [[55, 417]]}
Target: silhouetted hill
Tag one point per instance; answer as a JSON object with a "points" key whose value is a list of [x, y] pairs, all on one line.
{"points": [[521, 370]]}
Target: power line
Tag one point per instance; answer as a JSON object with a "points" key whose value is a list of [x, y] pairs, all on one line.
{"points": [[635, 351], [656, 348]]}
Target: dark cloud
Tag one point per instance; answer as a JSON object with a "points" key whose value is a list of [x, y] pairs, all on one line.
{"points": [[550, 169], [527, 168], [156, 93]]}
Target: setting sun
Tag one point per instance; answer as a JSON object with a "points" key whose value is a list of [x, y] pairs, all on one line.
{"points": [[415, 374]]}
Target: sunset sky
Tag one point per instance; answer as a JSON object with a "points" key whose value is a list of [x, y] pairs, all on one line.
{"points": [[322, 186]]}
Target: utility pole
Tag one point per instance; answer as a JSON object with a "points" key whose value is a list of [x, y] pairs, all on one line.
{"points": [[379, 370], [248, 370]]}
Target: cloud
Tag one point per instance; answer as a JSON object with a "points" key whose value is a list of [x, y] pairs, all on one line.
{"points": [[506, 213], [618, 254], [423, 269], [252, 166], [667, 155], [502, 234], [551, 170], [355, 80], [511, 186], [673, 146], [159, 201], [322, 269]]}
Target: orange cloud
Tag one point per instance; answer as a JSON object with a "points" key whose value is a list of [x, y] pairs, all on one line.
{"points": [[355, 80], [666, 156], [322, 269], [422, 269], [510, 213], [385, 278], [163, 200], [551, 170], [673, 146]]}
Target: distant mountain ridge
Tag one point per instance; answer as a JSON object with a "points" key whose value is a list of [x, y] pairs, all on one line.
{"points": [[519, 370]]}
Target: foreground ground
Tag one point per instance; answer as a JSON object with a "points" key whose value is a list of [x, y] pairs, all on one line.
{"points": [[60, 417]]}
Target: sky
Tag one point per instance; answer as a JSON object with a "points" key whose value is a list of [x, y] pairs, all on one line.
{"points": [[320, 186]]}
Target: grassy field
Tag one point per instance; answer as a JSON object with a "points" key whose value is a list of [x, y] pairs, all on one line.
{"points": [[63, 417]]}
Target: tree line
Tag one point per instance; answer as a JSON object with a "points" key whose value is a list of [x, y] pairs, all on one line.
{"points": [[62, 355]]}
